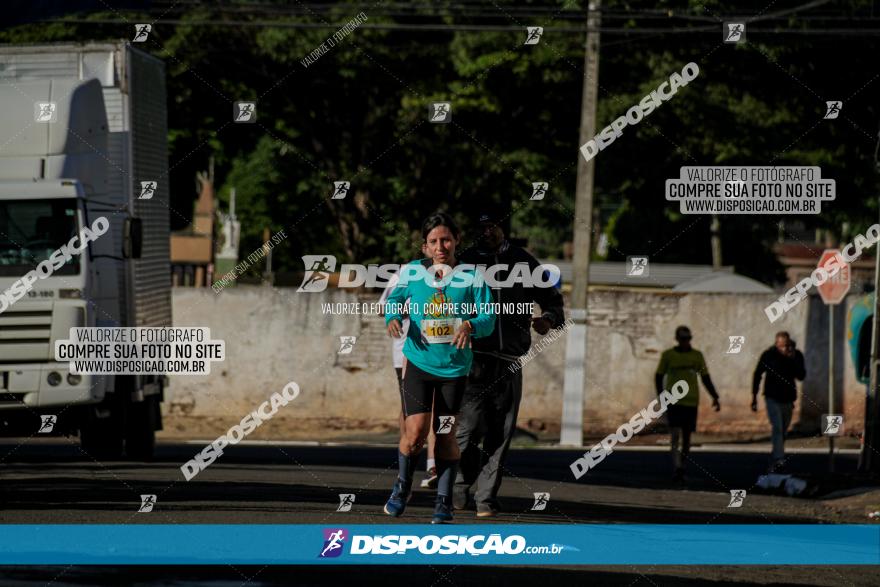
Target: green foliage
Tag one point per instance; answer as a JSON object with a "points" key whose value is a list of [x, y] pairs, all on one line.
{"points": [[359, 113]]}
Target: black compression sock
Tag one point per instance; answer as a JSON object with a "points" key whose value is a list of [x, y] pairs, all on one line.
{"points": [[446, 471], [406, 468]]}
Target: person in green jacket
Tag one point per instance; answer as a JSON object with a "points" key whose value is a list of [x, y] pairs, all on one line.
{"points": [[683, 362], [448, 305]]}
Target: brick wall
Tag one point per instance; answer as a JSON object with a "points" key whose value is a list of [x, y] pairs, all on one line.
{"points": [[276, 335]]}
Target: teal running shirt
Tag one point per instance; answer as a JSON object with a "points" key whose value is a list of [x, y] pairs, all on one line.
{"points": [[436, 310]]}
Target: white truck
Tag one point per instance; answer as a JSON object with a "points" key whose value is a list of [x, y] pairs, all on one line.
{"points": [[82, 127]]}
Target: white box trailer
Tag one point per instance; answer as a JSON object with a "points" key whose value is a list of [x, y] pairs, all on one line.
{"points": [[82, 126]]}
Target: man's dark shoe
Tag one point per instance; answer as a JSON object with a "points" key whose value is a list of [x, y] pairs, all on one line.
{"points": [[487, 510], [678, 476], [400, 495], [442, 510]]}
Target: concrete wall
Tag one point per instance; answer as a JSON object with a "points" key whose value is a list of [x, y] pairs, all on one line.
{"points": [[275, 335]]}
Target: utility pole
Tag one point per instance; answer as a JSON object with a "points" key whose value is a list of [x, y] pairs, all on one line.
{"points": [[576, 350], [715, 229], [268, 276], [868, 459]]}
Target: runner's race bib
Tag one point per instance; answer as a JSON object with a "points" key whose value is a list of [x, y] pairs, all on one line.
{"points": [[437, 331]]}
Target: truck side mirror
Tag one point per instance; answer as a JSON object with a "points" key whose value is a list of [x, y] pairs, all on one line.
{"points": [[132, 238]]}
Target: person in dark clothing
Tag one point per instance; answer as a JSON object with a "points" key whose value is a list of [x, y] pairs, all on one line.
{"points": [[782, 363], [492, 397]]}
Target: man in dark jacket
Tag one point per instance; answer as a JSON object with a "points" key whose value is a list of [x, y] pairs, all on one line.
{"points": [[782, 363], [492, 398]]}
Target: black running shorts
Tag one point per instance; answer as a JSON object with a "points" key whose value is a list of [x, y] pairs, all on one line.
{"points": [[422, 390], [684, 417]]}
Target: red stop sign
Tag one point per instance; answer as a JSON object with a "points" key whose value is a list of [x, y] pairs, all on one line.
{"points": [[835, 288]]}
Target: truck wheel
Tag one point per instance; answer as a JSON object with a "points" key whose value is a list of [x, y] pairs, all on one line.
{"points": [[140, 431], [101, 438]]}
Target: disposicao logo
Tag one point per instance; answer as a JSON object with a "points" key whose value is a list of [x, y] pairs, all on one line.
{"points": [[334, 542], [394, 544], [318, 269]]}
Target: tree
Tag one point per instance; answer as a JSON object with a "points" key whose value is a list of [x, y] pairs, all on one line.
{"points": [[359, 113]]}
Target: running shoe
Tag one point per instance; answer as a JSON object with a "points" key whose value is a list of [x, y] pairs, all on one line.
{"points": [[486, 510], [442, 510], [430, 482], [678, 476], [400, 496]]}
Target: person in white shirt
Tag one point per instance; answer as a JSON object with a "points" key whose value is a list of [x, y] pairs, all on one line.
{"points": [[398, 360]]}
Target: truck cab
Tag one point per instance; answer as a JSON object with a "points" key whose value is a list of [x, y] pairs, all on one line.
{"points": [[37, 219], [76, 148]]}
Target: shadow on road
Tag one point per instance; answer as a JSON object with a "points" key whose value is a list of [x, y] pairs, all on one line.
{"points": [[50, 493]]}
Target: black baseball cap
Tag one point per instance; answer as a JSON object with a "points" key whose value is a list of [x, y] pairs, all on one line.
{"points": [[493, 216]]}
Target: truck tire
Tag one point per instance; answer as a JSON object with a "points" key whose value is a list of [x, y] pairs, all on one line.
{"points": [[140, 429], [102, 438]]}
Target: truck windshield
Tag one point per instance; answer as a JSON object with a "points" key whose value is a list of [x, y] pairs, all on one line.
{"points": [[31, 230]]}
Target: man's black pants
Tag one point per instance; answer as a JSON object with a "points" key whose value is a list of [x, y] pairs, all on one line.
{"points": [[488, 415]]}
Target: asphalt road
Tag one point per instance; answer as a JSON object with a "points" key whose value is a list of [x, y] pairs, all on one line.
{"points": [[51, 481]]}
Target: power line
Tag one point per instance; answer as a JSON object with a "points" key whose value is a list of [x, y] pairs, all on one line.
{"points": [[259, 9], [413, 8], [479, 28], [390, 12]]}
